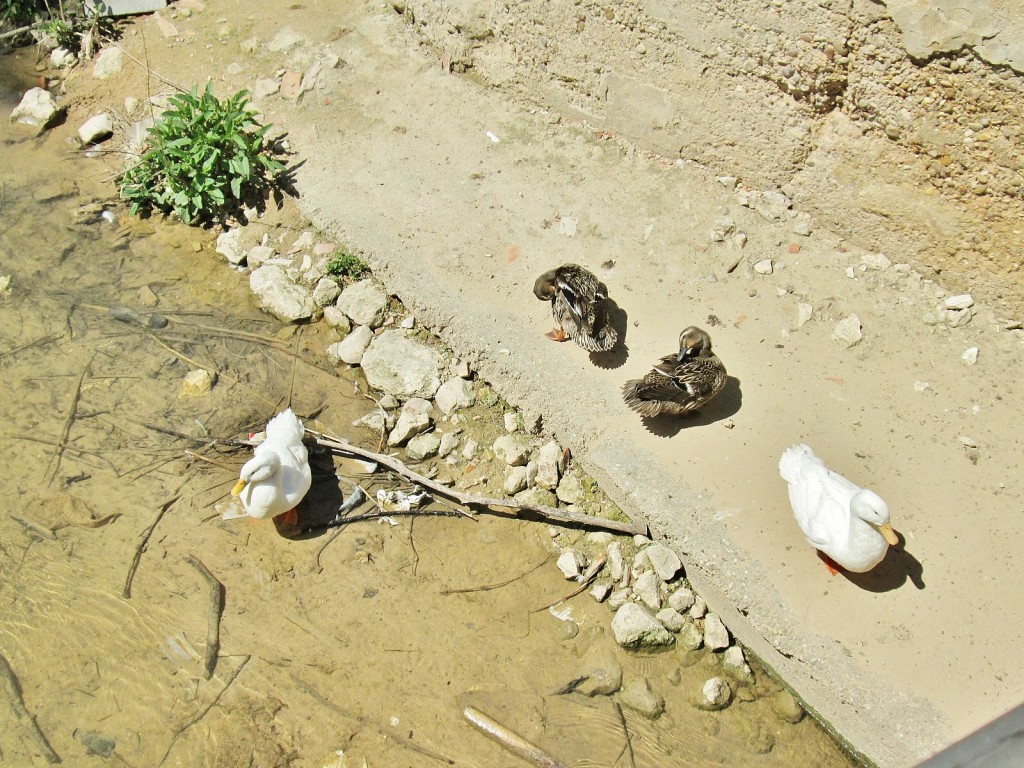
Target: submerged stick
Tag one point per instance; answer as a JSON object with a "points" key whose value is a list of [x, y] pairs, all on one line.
{"points": [[15, 702], [510, 740], [66, 432], [144, 539], [628, 749], [470, 500], [216, 610], [499, 585]]}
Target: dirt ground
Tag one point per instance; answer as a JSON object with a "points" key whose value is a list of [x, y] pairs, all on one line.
{"points": [[458, 198]]}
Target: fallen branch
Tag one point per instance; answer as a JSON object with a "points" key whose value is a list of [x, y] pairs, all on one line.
{"points": [[470, 500], [510, 740], [216, 609], [15, 702]]}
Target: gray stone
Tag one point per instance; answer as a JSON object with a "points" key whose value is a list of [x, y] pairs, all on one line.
{"points": [[325, 292], [278, 295], [376, 421], [229, 245], [537, 496], [699, 607], [634, 627], [515, 480], [804, 312], [682, 599], [265, 86], [690, 635], [735, 663], [647, 588], [365, 302], [96, 129], [449, 442], [601, 671], [257, 256], [454, 394], [664, 561], [639, 697], [335, 318], [423, 447], [570, 489], [672, 619], [109, 63], [970, 356], [771, 204], [786, 706], [401, 366], [549, 465], [513, 449], [600, 591], [352, 348], [715, 694], [36, 108], [877, 262], [847, 332], [616, 563], [618, 598], [470, 449], [62, 58], [511, 420], [571, 563], [716, 636], [408, 425], [963, 301]]}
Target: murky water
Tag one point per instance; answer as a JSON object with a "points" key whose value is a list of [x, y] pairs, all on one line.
{"points": [[360, 641]]}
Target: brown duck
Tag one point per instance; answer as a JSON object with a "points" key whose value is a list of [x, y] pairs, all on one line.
{"points": [[578, 303], [679, 383]]}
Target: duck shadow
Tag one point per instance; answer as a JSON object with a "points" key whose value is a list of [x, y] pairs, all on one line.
{"points": [[320, 505], [897, 567], [616, 356], [722, 407]]}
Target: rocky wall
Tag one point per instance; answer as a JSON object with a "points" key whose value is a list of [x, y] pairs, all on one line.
{"points": [[897, 124]]}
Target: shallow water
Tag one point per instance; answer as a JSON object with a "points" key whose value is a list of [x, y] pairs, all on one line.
{"points": [[357, 641]]}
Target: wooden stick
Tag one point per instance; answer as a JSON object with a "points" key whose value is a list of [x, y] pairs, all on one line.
{"points": [[66, 432], [586, 578], [15, 702], [469, 500], [499, 585], [144, 539], [628, 749], [216, 610], [511, 740], [38, 342]]}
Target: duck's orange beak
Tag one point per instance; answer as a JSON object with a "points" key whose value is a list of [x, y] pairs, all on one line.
{"points": [[889, 534], [239, 487]]}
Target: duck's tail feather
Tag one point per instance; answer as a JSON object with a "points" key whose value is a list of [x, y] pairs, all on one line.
{"points": [[286, 427], [794, 459]]}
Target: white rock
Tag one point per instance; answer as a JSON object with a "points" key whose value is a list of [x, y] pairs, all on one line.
{"points": [[665, 562], [278, 295], [62, 57], [618, 598], [284, 40], [513, 449], [699, 607], [96, 129], [570, 489], [634, 627], [198, 383], [408, 425], [325, 292], [335, 318], [647, 588], [470, 448], [804, 312], [365, 302], [531, 473], [130, 104], [967, 442], [399, 365], [963, 301], [376, 421], [770, 203], [715, 694], [616, 564], [682, 599], [801, 225], [454, 394], [423, 447], [764, 267], [921, 386], [352, 348], [716, 636], [672, 619], [449, 442], [734, 661], [600, 591], [515, 480], [970, 356], [108, 63], [847, 332], [256, 257], [265, 86], [36, 108], [571, 563], [229, 245], [511, 420], [549, 465], [876, 261]]}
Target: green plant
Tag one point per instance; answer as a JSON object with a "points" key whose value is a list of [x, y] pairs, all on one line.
{"points": [[347, 265], [67, 36], [207, 158], [20, 11]]}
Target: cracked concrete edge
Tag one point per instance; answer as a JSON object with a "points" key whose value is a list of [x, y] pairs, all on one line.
{"points": [[877, 724]]}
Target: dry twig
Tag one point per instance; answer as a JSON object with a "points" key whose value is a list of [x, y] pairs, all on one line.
{"points": [[511, 740], [16, 704], [54, 466], [500, 584], [216, 610]]}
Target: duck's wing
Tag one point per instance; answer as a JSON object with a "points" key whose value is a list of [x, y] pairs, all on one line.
{"points": [[697, 379], [820, 505]]}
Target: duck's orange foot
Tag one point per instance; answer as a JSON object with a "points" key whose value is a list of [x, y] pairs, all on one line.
{"points": [[832, 565], [557, 335], [291, 517]]}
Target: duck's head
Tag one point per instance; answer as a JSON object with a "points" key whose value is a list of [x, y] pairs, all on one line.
{"points": [[544, 288], [255, 470], [693, 342], [872, 509]]}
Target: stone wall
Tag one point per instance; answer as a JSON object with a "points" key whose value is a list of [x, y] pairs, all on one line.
{"points": [[898, 124]]}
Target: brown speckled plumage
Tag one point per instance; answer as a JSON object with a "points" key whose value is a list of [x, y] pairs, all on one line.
{"points": [[679, 383], [578, 305]]}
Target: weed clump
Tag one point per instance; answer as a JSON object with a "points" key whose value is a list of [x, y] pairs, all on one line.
{"points": [[347, 265], [206, 160]]}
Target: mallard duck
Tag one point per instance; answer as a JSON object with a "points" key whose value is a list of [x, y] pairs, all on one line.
{"points": [[277, 477], [847, 524], [679, 383], [578, 304]]}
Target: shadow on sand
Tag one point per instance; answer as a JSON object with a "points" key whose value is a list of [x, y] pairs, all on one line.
{"points": [[897, 567], [722, 407], [615, 357]]}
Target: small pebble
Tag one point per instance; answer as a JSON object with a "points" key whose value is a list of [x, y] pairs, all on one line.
{"points": [[970, 356]]}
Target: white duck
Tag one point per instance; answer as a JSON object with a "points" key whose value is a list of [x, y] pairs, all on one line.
{"points": [[847, 524], [277, 477]]}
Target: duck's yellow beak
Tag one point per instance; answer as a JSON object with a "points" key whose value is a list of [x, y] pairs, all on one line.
{"points": [[889, 534], [240, 486]]}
